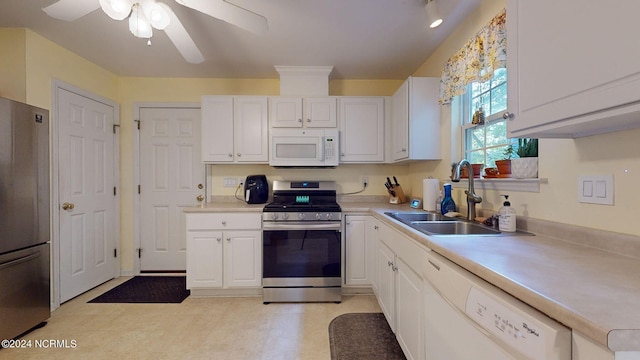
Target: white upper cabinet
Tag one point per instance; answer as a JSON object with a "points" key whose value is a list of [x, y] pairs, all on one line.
{"points": [[415, 120], [573, 67], [361, 129], [234, 129], [312, 112]]}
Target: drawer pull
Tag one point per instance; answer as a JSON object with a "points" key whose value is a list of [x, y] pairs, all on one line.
{"points": [[434, 265]]}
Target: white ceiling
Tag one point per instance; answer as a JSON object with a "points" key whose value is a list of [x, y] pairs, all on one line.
{"points": [[362, 39]]}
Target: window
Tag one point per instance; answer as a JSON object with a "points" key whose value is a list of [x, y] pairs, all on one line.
{"points": [[486, 143]]}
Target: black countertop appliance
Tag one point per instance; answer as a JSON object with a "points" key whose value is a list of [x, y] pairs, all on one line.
{"points": [[256, 189]]}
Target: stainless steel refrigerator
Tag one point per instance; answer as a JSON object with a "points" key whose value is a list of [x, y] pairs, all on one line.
{"points": [[24, 218]]}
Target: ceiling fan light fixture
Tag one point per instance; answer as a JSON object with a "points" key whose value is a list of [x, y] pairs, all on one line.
{"points": [[116, 9], [434, 19], [139, 25], [157, 13]]}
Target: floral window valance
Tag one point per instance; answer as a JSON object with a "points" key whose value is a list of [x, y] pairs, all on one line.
{"points": [[477, 59]]}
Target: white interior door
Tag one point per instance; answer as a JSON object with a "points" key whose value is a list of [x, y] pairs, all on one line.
{"points": [[86, 184], [171, 177]]}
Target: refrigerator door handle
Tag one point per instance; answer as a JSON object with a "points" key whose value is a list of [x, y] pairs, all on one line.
{"points": [[19, 260]]}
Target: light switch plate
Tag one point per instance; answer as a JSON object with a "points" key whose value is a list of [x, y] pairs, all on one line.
{"points": [[230, 182], [595, 189]]}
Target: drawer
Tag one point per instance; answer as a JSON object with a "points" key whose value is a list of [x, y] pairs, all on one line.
{"points": [[224, 221]]}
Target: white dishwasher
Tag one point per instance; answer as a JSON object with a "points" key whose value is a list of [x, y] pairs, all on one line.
{"points": [[468, 318]]}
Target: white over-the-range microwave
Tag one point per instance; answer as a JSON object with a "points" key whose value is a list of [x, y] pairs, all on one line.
{"points": [[304, 147]]}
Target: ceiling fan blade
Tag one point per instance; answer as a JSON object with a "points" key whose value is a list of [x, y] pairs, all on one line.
{"points": [[233, 14], [70, 10], [181, 39]]}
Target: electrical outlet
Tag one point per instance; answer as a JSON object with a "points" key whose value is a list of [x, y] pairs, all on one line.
{"points": [[365, 180]]}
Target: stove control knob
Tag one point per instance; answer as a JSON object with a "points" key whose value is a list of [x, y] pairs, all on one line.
{"points": [[301, 216], [317, 216], [274, 216], [327, 216], [285, 216]]}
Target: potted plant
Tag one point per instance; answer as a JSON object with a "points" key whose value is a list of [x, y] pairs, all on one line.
{"points": [[526, 165], [504, 165]]}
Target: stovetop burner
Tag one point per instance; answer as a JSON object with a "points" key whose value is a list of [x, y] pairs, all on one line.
{"points": [[295, 197]]}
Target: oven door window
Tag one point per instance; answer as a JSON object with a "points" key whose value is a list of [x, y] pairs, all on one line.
{"points": [[301, 253]]}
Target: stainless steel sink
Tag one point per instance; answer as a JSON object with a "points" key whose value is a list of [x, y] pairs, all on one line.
{"points": [[452, 228], [408, 217]]}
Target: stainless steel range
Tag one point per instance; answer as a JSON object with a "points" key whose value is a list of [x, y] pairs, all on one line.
{"points": [[302, 243]]}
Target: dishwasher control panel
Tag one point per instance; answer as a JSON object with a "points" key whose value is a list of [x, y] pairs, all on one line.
{"points": [[520, 332]]}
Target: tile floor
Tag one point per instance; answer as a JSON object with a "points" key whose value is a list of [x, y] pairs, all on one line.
{"points": [[198, 328]]}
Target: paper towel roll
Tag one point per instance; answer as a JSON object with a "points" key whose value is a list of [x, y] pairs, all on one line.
{"points": [[430, 193]]}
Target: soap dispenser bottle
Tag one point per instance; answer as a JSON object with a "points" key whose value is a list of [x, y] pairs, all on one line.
{"points": [[448, 205], [507, 216]]}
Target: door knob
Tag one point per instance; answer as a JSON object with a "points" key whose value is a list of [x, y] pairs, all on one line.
{"points": [[200, 198], [200, 186], [68, 206]]}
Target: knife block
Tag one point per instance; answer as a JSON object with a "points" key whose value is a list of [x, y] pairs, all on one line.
{"points": [[400, 197]]}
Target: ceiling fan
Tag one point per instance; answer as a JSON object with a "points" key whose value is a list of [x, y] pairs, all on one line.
{"points": [[147, 14]]}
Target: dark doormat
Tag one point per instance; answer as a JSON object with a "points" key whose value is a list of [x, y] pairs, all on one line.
{"points": [[363, 336], [147, 289]]}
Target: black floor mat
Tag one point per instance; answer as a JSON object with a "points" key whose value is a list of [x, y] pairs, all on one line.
{"points": [[359, 336], [147, 289]]}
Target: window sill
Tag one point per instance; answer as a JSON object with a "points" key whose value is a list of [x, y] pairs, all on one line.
{"points": [[522, 185]]}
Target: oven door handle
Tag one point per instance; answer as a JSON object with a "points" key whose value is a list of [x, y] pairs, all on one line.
{"points": [[307, 225]]}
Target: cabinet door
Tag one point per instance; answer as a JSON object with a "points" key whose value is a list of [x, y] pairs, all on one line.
{"points": [[386, 282], [285, 112], [217, 129], [590, 83], [400, 123], [359, 250], [204, 259], [361, 130], [320, 112], [409, 325], [251, 130], [243, 258]]}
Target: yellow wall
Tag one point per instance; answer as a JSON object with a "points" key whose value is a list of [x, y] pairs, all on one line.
{"points": [[561, 160], [13, 72]]}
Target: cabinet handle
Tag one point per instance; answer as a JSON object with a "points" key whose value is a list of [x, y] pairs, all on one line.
{"points": [[219, 239], [308, 120], [508, 116], [375, 227], [394, 268], [239, 154], [299, 120], [434, 265], [389, 263], [224, 223], [200, 198], [230, 154]]}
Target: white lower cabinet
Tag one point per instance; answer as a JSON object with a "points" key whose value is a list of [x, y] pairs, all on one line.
{"points": [[399, 289], [359, 252], [223, 251]]}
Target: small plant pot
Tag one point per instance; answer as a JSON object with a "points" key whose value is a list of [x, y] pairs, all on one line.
{"points": [[504, 166], [524, 168], [477, 169]]}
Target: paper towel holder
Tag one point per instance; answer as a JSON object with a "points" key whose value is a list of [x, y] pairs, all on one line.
{"points": [[416, 203]]}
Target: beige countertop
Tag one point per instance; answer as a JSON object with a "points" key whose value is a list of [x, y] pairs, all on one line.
{"points": [[592, 291]]}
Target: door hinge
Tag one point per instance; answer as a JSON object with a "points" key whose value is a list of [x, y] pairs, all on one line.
{"points": [[115, 253], [114, 127], [138, 189], [139, 250], [138, 123], [114, 191]]}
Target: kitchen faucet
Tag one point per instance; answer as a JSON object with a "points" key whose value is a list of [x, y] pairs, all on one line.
{"points": [[472, 198]]}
